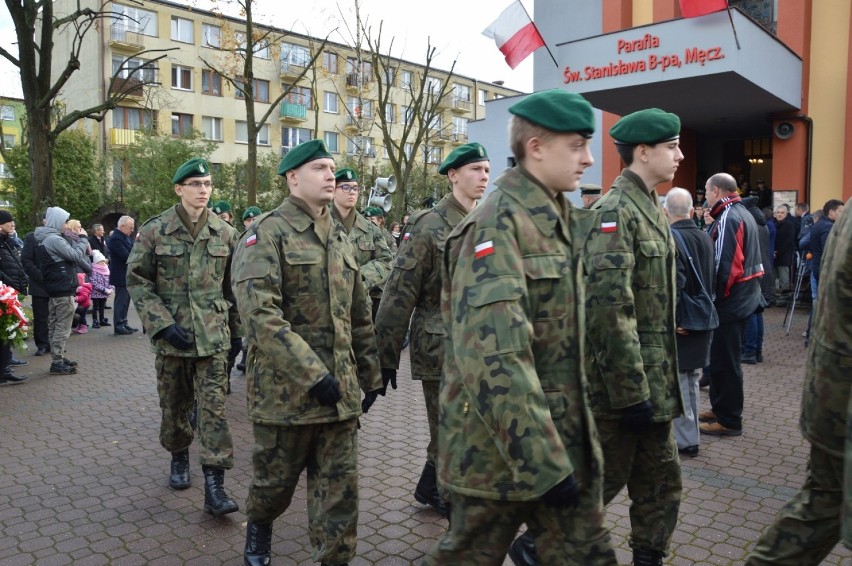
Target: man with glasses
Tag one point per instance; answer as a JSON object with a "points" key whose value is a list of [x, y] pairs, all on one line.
{"points": [[371, 250], [179, 277]]}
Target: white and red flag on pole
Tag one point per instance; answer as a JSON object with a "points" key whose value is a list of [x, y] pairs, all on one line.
{"points": [[696, 8], [515, 34]]}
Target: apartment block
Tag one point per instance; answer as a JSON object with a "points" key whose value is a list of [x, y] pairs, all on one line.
{"points": [[12, 113]]}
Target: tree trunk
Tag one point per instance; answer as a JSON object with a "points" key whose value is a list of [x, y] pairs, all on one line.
{"points": [[41, 147]]}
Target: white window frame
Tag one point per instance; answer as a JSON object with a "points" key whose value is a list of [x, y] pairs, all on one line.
{"points": [[390, 113], [406, 79], [242, 130], [211, 128], [182, 29], [483, 96], [332, 142], [135, 19], [211, 36], [179, 75], [330, 102], [7, 113]]}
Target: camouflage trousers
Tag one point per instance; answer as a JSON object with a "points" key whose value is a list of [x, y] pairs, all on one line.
{"points": [[431, 390], [181, 380], [481, 531], [329, 451], [648, 464], [808, 526]]}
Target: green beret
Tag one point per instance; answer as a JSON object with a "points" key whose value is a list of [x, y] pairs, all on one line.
{"points": [[195, 167], [221, 206], [590, 189], [301, 154], [558, 111], [373, 211], [649, 126], [462, 155], [251, 212], [345, 174]]}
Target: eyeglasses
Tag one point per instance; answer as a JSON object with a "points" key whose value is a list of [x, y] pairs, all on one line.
{"points": [[198, 184], [349, 188]]}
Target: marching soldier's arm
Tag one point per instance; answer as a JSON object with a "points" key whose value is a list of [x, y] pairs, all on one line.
{"points": [[611, 312], [489, 341], [142, 280], [227, 290], [376, 271], [402, 291], [364, 340]]}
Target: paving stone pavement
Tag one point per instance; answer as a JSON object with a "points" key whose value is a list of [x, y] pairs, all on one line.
{"points": [[83, 479]]}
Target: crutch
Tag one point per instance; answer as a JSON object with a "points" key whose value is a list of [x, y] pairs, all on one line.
{"points": [[800, 275]]}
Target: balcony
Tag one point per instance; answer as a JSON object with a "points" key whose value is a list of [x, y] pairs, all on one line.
{"points": [[355, 82], [120, 137], [440, 102], [460, 106], [130, 87], [459, 138], [438, 137], [291, 112], [291, 70], [123, 39]]}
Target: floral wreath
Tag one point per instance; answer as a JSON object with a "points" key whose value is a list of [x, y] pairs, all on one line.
{"points": [[13, 321]]}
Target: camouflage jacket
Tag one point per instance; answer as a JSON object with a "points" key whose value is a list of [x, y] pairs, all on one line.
{"points": [[175, 280], [305, 316], [630, 304], [515, 415], [414, 287], [371, 251]]}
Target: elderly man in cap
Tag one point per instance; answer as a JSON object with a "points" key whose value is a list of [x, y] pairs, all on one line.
{"points": [[631, 354], [222, 209], [517, 440], [413, 294], [178, 276], [371, 248], [312, 351], [590, 194]]}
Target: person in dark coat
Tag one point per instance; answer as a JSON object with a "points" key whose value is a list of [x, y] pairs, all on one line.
{"points": [[119, 244], [753, 337], [11, 274], [40, 298], [693, 348], [98, 241], [785, 251]]}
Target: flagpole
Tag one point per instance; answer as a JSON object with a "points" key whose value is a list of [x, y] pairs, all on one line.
{"points": [[733, 27], [546, 46]]}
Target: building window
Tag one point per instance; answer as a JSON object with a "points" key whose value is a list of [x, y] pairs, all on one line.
{"points": [[211, 36], [181, 124], [329, 62], [459, 128], [408, 150], [436, 124], [211, 82], [181, 77], [359, 108], [330, 139], [4, 172], [360, 145], [133, 19], [433, 85], [261, 89], [7, 113], [329, 102], [407, 114], [211, 128], [134, 68], [433, 154], [8, 140], [291, 137], [293, 54], [260, 47], [406, 79], [461, 92], [390, 76], [131, 118], [366, 68], [181, 29], [390, 113], [241, 135], [483, 96], [298, 95]]}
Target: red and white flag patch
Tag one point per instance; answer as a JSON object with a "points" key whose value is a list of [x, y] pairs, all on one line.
{"points": [[251, 240], [484, 249], [407, 236], [609, 227]]}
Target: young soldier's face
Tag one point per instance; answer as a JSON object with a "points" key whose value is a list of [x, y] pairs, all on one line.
{"points": [[313, 181], [194, 192], [346, 195], [664, 159], [471, 179], [564, 158]]}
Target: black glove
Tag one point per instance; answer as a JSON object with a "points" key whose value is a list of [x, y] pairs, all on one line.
{"points": [[388, 376], [176, 336], [236, 348], [637, 418], [369, 398], [327, 391], [564, 494]]}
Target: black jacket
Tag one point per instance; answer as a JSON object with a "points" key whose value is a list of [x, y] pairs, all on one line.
{"points": [[11, 270], [31, 266], [99, 244], [119, 250], [766, 282], [693, 349]]}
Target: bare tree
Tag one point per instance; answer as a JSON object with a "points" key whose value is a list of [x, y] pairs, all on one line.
{"points": [[35, 29], [237, 68]]}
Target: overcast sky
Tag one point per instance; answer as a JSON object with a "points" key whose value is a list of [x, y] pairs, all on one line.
{"points": [[454, 27]]}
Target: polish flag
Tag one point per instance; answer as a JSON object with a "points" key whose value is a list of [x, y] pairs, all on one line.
{"points": [[695, 8], [483, 249], [515, 34], [609, 227]]}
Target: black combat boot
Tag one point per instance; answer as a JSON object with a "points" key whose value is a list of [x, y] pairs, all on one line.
{"points": [[216, 501], [647, 557], [522, 550], [258, 550], [179, 477], [426, 491]]}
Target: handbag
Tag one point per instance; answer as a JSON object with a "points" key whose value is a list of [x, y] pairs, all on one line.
{"points": [[695, 312]]}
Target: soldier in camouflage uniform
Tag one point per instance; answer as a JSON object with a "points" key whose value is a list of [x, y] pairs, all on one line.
{"points": [[371, 248], [631, 353], [812, 522], [415, 287], [517, 439], [377, 216], [178, 276], [312, 350]]}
